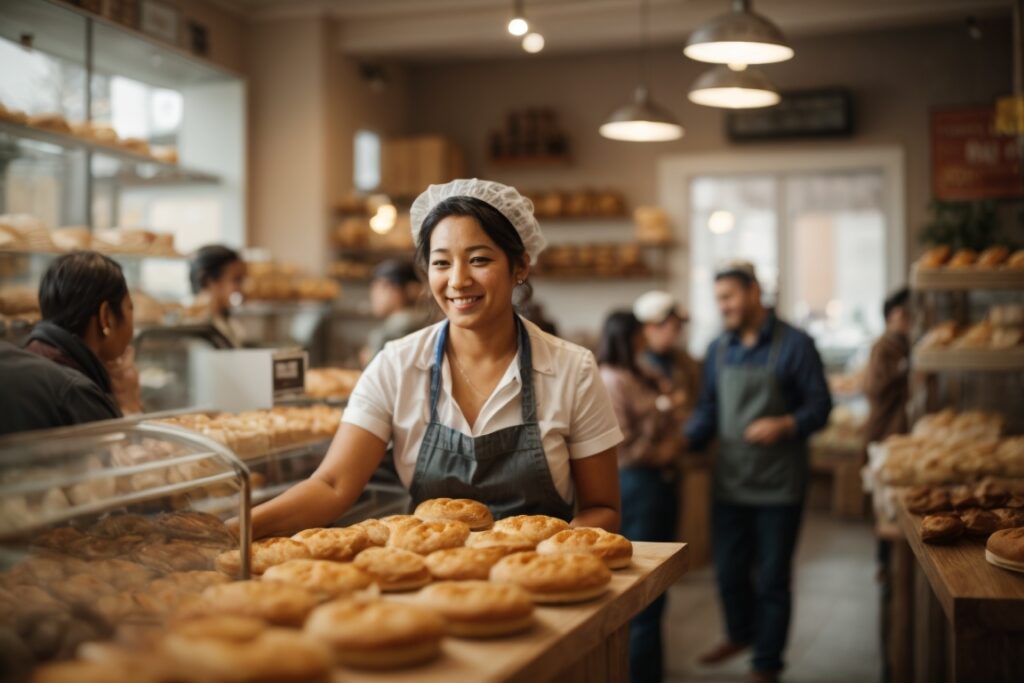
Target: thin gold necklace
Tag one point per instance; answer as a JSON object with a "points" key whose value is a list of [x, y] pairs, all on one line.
{"points": [[462, 372]]}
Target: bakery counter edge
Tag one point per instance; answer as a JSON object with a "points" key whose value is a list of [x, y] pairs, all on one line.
{"points": [[583, 641]]}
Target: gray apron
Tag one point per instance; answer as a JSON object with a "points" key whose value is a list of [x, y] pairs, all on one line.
{"points": [[505, 469], [746, 473]]}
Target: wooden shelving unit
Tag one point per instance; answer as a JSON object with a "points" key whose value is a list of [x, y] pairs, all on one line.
{"points": [[976, 360], [965, 279]]}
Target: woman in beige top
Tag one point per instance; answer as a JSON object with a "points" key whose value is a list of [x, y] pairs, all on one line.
{"points": [[647, 476]]}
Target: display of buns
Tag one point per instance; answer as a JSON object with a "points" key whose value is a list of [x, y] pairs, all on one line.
{"points": [[1003, 328], [286, 282], [593, 260], [331, 382], [941, 528], [583, 203], [973, 510], [992, 258], [24, 232]]}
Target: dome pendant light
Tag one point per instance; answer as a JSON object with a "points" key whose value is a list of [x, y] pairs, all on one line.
{"points": [[738, 37], [517, 25], [734, 87], [642, 120]]}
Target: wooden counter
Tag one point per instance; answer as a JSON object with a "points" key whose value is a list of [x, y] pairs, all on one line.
{"points": [[983, 609], [584, 642]]}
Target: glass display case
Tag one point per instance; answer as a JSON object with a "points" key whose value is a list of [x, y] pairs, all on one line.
{"points": [[107, 527]]}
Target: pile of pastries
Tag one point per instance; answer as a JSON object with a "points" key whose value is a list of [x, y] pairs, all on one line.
{"points": [[90, 131], [331, 382], [25, 232], [326, 597], [585, 203], [593, 260], [993, 258], [255, 433], [1002, 328], [91, 581], [286, 282], [949, 447], [977, 510]]}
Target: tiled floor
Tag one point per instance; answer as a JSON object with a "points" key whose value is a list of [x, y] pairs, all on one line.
{"points": [[834, 633]]}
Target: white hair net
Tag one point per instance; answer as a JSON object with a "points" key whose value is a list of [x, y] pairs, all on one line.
{"points": [[506, 199]]}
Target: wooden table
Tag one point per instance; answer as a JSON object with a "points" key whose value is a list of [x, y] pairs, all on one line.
{"points": [[969, 614], [588, 642]]}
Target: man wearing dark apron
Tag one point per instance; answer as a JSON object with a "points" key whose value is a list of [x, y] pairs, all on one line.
{"points": [[764, 394]]}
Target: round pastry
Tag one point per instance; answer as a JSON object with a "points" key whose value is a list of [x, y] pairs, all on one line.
{"points": [[473, 514], [980, 522], [1006, 548], [115, 526], [561, 578], [935, 257], [479, 609], [171, 556], [613, 549], [394, 569], [993, 256], [1016, 260], [506, 541], [395, 522], [377, 634], [426, 537], [963, 258], [263, 554], [376, 530], [941, 528], [462, 564], [534, 527], [121, 574], [241, 650], [331, 579], [339, 545], [1009, 517], [276, 603], [196, 526]]}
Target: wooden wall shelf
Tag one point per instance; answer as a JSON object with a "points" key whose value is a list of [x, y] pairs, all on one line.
{"points": [[991, 360], [965, 279]]}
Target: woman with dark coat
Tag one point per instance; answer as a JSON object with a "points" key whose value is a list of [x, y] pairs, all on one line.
{"points": [[60, 377]]}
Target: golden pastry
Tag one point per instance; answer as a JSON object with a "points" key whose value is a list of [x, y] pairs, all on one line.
{"points": [[276, 603], [963, 258], [473, 514], [614, 550], [941, 528], [1006, 548], [935, 257], [394, 569], [993, 257], [376, 530], [534, 527], [506, 541], [426, 537], [980, 522], [377, 634], [562, 578], [337, 544], [395, 522], [479, 609], [462, 564], [1016, 260], [330, 579], [264, 554]]}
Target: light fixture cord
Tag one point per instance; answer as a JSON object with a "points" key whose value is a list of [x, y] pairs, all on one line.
{"points": [[517, 9], [645, 42]]}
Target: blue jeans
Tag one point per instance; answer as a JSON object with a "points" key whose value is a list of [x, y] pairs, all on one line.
{"points": [[753, 549], [648, 514]]}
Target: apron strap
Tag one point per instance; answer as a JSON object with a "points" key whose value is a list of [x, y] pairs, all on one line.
{"points": [[773, 353], [525, 372]]}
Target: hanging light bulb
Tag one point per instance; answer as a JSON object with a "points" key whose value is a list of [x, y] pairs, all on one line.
{"points": [[738, 37], [517, 25], [533, 42], [733, 87], [642, 120]]}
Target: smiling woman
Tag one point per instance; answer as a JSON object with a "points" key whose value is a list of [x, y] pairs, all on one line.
{"points": [[483, 405]]}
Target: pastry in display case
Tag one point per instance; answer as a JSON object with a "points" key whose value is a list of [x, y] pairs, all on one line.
{"points": [[106, 529]]}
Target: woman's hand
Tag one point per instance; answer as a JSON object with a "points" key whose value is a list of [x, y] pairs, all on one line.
{"points": [[596, 480], [351, 460]]}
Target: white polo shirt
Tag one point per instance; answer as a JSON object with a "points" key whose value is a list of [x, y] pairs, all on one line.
{"points": [[392, 401]]}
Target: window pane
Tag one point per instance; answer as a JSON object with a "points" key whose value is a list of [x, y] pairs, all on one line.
{"points": [[367, 160]]}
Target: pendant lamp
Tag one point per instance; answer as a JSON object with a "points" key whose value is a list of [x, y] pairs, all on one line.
{"points": [[740, 36], [732, 88], [642, 120]]}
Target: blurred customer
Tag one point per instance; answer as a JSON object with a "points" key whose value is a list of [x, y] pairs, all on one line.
{"points": [[765, 393], [886, 377], [60, 379], [647, 474], [394, 292], [663, 320], [217, 274]]}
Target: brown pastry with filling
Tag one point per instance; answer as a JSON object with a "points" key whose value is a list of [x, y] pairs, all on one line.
{"points": [[936, 500], [962, 497], [1006, 549], [980, 522], [1009, 517], [991, 494], [941, 528]]}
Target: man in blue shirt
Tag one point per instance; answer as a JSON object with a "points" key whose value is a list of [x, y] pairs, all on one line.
{"points": [[763, 395]]}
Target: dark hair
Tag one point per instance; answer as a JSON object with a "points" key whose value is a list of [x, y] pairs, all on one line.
{"points": [[74, 286], [397, 272], [209, 263], [898, 299], [739, 274], [616, 347]]}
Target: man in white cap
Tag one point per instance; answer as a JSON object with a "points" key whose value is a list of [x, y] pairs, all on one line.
{"points": [[663, 319], [764, 394]]}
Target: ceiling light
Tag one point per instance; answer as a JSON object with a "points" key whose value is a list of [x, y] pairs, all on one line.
{"points": [[642, 120], [738, 37], [518, 26], [533, 42], [721, 222], [729, 88]]}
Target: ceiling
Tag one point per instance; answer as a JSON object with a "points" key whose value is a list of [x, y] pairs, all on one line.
{"points": [[439, 29]]}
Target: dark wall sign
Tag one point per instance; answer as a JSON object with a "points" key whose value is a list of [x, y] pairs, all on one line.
{"points": [[970, 160], [825, 112]]}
